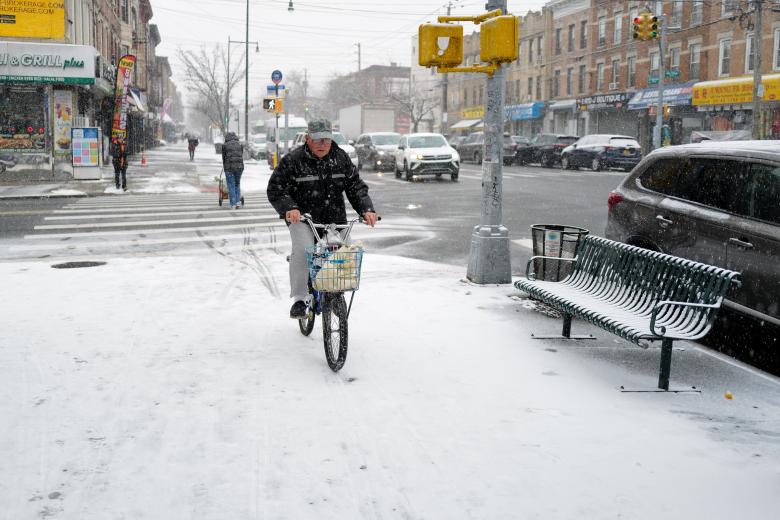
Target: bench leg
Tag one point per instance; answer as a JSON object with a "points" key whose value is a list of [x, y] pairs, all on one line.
{"points": [[666, 364], [566, 332]]}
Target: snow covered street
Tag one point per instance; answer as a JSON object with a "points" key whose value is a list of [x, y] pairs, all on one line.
{"points": [[176, 387]]}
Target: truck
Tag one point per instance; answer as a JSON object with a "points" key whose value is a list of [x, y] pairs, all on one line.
{"points": [[360, 119], [289, 126]]}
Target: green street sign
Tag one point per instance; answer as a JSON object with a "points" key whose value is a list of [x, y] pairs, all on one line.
{"points": [[652, 81], [672, 74]]}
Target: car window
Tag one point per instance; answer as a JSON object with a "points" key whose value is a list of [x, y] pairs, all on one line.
{"points": [[622, 141], [567, 140], [427, 141], [386, 139], [662, 176], [508, 140], [764, 192], [339, 139]]}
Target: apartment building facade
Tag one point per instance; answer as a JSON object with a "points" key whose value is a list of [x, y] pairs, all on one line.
{"points": [[525, 78]]}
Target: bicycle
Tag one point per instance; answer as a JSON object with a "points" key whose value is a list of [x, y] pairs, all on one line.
{"points": [[334, 268]]}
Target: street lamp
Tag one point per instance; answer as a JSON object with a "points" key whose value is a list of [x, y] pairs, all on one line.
{"points": [[246, 93]]}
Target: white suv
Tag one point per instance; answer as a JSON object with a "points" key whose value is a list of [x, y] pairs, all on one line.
{"points": [[338, 138], [426, 154]]}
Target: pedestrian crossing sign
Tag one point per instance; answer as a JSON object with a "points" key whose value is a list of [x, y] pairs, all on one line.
{"points": [[274, 105]]}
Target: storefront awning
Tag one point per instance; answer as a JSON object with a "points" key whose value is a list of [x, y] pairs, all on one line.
{"points": [[565, 104], [135, 98], [674, 95], [734, 91], [524, 111], [465, 123]]}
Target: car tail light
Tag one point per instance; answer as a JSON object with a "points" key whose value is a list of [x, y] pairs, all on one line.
{"points": [[613, 199], [611, 149]]}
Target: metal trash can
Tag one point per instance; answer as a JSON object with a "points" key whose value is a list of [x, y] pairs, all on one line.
{"points": [[558, 241]]}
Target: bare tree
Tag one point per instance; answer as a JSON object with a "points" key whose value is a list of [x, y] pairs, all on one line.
{"points": [[206, 75], [417, 105]]}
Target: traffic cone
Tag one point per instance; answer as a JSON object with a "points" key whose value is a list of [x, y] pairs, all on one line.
{"points": [[143, 158]]}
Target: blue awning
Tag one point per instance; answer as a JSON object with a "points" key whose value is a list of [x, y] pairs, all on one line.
{"points": [[524, 111], [674, 95]]}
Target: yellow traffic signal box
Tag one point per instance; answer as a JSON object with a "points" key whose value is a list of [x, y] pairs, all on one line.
{"points": [[275, 105], [498, 39], [440, 45]]}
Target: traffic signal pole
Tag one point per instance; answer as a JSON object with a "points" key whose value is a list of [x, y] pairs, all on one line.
{"points": [[659, 111], [489, 261]]}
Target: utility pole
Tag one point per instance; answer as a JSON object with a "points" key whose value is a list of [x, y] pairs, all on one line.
{"points": [[659, 111], [489, 255], [358, 52], [758, 88], [444, 87], [246, 83]]}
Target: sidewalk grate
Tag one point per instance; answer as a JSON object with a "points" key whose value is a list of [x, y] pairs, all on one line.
{"points": [[74, 265]]}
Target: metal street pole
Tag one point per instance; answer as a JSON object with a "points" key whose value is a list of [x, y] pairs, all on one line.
{"points": [[444, 88], [659, 115], [758, 88], [246, 84], [489, 256]]}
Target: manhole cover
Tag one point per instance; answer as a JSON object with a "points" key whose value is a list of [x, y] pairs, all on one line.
{"points": [[74, 265]]}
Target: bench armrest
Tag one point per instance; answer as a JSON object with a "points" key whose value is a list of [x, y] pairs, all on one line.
{"points": [[532, 276], [666, 303]]}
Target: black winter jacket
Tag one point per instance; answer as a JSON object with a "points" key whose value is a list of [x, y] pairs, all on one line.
{"points": [[233, 154], [316, 186]]}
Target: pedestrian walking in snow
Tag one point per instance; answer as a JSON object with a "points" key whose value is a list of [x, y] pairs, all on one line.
{"points": [[119, 160], [233, 163], [313, 179]]}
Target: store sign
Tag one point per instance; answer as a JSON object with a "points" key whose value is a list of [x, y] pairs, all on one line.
{"points": [[472, 113], [524, 111], [735, 91], [32, 19], [616, 100], [47, 63], [125, 74], [674, 95]]}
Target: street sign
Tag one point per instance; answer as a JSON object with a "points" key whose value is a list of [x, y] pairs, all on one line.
{"points": [[672, 74], [276, 77], [274, 105], [275, 90], [652, 81]]}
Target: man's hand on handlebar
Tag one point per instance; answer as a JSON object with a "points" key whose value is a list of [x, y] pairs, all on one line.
{"points": [[293, 216], [370, 218]]}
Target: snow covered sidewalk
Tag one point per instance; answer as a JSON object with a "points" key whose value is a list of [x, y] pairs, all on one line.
{"points": [[177, 388]]}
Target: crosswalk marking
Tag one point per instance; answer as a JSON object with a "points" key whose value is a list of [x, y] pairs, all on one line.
{"points": [[147, 222], [265, 212]]}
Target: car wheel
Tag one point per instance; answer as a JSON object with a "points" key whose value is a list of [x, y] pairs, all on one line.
{"points": [[407, 172], [454, 176], [397, 171], [376, 166], [547, 162], [565, 163], [595, 164]]}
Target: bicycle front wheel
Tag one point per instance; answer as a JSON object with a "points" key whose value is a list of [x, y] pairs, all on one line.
{"points": [[334, 329]]}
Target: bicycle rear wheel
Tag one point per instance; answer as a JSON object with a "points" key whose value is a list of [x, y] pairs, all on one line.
{"points": [[307, 324], [334, 330]]}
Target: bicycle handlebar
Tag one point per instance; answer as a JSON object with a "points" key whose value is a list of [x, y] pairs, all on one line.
{"points": [[306, 217]]}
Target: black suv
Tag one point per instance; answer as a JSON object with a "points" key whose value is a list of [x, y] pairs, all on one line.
{"points": [[544, 149], [713, 202], [377, 150], [474, 146]]}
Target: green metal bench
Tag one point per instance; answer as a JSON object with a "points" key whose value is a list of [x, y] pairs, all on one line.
{"points": [[639, 295]]}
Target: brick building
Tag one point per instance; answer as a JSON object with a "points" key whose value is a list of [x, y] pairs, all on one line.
{"points": [[525, 78]]}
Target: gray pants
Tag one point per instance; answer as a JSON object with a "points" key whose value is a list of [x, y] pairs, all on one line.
{"points": [[301, 237]]}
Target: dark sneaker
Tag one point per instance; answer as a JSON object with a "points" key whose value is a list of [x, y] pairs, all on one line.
{"points": [[298, 310]]}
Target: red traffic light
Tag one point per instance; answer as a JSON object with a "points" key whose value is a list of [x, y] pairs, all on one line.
{"points": [[637, 20]]}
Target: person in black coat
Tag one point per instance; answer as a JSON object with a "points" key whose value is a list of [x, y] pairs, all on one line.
{"points": [[119, 160], [233, 163], [313, 179]]}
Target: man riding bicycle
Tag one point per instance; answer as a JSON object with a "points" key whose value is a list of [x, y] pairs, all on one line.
{"points": [[313, 179]]}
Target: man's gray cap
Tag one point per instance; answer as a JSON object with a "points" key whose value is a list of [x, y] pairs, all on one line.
{"points": [[320, 129]]}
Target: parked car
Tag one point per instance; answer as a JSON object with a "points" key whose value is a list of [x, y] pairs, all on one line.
{"points": [[598, 151], [713, 202], [257, 147], [376, 150], [338, 138], [521, 140], [456, 140], [544, 149], [472, 148], [426, 154]]}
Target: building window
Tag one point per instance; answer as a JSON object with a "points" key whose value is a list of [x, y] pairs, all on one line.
{"points": [[602, 31], [517, 90], [123, 10], [557, 41], [530, 88], [538, 88], [632, 71], [615, 74], [750, 53], [776, 51], [674, 59], [556, 83], [599, 76], [571, 38], [481, 91], [618, 32], [728, 6], [531, 51], [655, 66], [538, 49], [569, 80], [724, 58], [694, 50], [677, 12], [697, 11], [581, 80], [583, 34]]}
